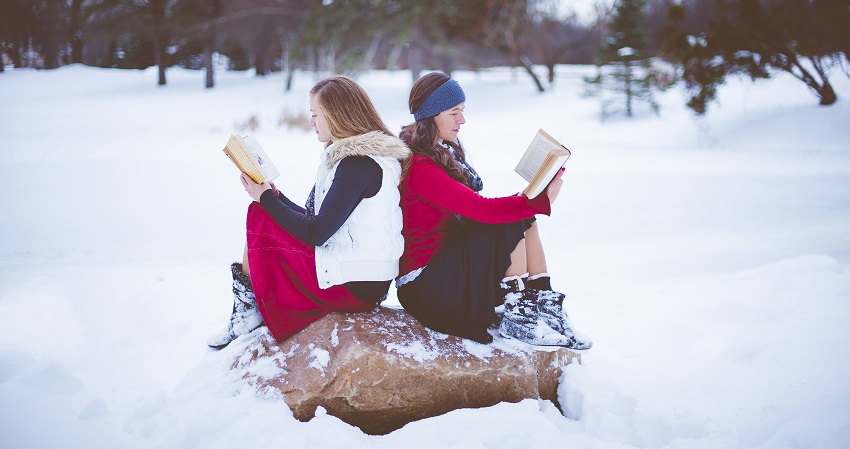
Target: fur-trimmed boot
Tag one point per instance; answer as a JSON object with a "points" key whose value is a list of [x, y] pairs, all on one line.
{"points": [[522, 320], [550, 304], [245, 316]]}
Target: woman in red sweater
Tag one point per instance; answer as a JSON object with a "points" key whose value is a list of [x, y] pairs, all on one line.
{"points": [[466, 254]]}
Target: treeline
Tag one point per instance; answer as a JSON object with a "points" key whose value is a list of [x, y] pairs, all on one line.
{"points": [[701, 41], [340, 36]]}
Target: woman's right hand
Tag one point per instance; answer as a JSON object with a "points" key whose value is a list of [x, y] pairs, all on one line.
{"points": [[554, 186], [254, 190]]}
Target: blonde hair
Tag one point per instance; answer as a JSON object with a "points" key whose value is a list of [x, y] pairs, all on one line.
{"points": [[347, 107]]}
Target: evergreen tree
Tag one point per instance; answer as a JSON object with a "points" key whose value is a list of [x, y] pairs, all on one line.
{"points": [[134, 21], [195, 25], [34, 33], [16, 23], [625, 76], [804, 38], [76, 30], [435, 27]]}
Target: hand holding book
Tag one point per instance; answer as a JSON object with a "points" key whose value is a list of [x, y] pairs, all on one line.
{"points": [[553, 188], [255, 191], [250, 158], [541, 163]]}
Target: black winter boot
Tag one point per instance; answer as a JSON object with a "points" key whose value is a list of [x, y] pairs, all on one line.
{"points": [[512, 287], [523, 320], [550, 304], [245, 316]]}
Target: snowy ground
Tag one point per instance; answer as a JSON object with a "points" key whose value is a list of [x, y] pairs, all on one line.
{"points": [[708, 259]]}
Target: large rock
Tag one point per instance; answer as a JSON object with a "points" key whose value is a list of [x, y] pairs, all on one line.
{"points": [[381, 370]]}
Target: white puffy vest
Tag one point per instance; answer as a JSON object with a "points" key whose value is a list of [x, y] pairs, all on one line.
{"points": [[368, 245]]}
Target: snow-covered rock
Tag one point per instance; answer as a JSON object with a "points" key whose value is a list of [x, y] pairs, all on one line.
{"points": [[381, 370]]}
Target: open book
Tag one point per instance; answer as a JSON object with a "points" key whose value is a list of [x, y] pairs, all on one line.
{"points": [[250, 158], [541, 162]]}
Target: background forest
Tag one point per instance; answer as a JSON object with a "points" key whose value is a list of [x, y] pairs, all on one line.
{"points": [[640, 46]]}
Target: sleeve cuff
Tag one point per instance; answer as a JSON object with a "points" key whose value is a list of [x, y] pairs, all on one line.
{"points": [[267, 196], [541, 204]]}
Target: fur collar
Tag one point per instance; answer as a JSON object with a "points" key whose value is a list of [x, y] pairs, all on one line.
{"points": [[374, 143]]}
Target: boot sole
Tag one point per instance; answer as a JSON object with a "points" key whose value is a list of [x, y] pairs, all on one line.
{"points": [[512, 329], [220, 347]]}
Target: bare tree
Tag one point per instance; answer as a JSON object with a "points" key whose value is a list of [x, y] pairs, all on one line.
{"points": [[507, 25], [555, 38]]}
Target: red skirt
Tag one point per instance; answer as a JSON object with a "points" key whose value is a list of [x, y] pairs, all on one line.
{"points": [[283, 274]]}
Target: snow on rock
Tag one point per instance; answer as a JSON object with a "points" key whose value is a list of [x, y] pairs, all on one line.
{"points": [[381, 370]]}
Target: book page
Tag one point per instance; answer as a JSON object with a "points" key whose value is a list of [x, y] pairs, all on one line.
{"points": [[540, 182], [535, 155], [267, 167], [243, 158]]}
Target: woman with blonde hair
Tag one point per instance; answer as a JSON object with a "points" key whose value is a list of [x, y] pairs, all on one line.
{"points": [[339, 252]]}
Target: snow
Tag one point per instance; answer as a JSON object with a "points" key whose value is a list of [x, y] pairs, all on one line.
{"points": [[707, 258], [321, 358]]}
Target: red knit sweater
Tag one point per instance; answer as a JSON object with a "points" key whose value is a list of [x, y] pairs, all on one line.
{"points": [[430, 198]]}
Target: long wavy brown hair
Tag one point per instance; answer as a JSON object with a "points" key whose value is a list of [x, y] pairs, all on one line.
{"points": [[421, 136], [347, 107]]}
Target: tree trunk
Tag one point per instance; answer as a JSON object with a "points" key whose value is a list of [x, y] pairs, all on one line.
{"points": [[15, 54], [51, 57], [161, 57], [629, 80], [526, 63], [76, 32], [208, 63], [448, 63], [160, 40], [327, 60], [287, 64], [414, 54], [827, 94], [289, 76], [393, 57], [821, 87], [513, 47], [284, 61], [372, 51], [262, 65]]}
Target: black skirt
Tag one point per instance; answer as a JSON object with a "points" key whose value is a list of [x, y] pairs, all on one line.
{"points": [[458, 290]]}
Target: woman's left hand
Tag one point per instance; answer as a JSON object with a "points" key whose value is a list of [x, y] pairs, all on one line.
{"points": [[254, 190], [554, 186]]}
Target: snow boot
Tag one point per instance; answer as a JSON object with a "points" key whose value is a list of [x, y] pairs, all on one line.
{"points": [[512, 287], [245, 316], [522, 319], [550, 305]]}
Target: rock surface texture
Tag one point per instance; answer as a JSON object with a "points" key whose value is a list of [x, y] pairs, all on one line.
{"points": [[381, 370]]}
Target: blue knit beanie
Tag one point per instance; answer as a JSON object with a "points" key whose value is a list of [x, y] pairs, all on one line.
{"points": [[443, 98]]}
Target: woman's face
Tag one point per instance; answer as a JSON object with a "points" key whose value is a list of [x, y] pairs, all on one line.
{"points": [[318, 121], [448, 123]]}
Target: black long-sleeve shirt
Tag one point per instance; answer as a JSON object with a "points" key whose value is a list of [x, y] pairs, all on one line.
{"points": [[356, 178]]}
